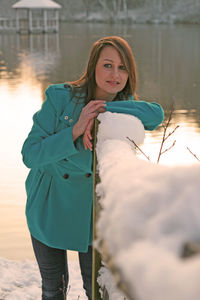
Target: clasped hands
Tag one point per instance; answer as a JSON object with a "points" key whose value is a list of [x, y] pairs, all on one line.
{"points": [[85, 122]]}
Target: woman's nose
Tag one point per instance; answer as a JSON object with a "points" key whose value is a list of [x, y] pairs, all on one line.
{"points": [[115, 73]]}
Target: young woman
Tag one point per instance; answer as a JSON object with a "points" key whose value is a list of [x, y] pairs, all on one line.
{"points": [[58, 150]]}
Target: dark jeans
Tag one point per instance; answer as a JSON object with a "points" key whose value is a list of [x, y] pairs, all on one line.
{"points": [[54, 270]]}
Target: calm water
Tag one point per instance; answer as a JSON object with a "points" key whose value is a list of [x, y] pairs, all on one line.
{"points": [[168, 60]]}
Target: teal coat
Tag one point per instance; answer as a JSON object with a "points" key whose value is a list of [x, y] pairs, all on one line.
{"points": [[59, 185]]}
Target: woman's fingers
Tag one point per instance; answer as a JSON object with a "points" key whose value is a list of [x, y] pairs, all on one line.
{"points": [[101, 109], [89, 128], [86, 141], [93, 107], [87, 136], [91, 117], [96, 102]]}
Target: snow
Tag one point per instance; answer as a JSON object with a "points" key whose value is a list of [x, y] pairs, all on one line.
{"points": [[20, 280], [48, 4], [105, 279], [149, 212], [111, 128]]}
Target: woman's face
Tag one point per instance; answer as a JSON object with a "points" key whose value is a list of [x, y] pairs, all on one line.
{"points": [[110, 74]]}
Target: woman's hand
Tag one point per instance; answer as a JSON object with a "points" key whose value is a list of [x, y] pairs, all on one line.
{"points": [[88, 113], [87, 136]]}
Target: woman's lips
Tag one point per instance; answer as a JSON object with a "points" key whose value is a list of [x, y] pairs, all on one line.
{"points": [[113, 83]]}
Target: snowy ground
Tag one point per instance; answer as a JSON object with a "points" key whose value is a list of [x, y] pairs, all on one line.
{"points": [[21, 281]]}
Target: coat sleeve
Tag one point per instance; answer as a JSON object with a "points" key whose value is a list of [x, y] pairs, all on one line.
{"points": [[43, 145], [151, 114]]}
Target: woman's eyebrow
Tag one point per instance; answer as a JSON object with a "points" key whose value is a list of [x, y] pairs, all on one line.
{"points": [[108, 59]]}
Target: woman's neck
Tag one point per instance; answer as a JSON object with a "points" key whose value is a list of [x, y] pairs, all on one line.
{"points": [[101, 95]]}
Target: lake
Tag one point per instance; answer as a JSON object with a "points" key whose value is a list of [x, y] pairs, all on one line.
{"points": [[168, 63]]}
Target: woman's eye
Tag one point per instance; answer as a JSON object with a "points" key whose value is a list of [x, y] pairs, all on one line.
{"points": [[108, 66], [122, 67]]}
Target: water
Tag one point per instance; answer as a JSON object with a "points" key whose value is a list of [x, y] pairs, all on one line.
{"points": [[168, 62]]}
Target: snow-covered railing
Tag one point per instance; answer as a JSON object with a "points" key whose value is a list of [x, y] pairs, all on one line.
{"points": [[149, 212]]}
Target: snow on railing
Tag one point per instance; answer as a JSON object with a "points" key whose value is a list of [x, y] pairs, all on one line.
{"points": [[149, 213]]}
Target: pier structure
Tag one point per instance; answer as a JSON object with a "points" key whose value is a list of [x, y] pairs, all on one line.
{"points": [[36, 16]]}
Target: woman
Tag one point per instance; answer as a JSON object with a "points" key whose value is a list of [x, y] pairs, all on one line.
{"points": [[58, 150]]}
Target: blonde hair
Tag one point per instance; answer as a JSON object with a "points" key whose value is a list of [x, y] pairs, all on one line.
{"points": [[87, 83]]}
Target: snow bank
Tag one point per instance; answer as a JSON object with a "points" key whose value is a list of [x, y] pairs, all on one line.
{"points": [[21, 281], [106, 279], [149, 212]]}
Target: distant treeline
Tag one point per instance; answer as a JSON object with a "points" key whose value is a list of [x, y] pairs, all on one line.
{"points": [[128, 11]]}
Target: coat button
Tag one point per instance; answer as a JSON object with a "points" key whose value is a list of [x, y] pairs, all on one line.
{"points": [[66, 117], [65, 176], [70, 120], [88, 174]]}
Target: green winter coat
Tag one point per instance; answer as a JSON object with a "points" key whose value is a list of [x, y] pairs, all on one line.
{"points": [[59, 185]]}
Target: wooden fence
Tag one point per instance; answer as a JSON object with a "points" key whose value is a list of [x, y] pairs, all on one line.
{"points": [[23, 25], [7, 24]]}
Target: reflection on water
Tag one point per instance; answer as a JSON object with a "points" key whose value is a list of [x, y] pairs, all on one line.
{"points": [[168, 68], [20, 97]]}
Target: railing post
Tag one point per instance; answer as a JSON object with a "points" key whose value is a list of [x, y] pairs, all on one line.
{"points": [[57, 21], [30, 21], [45, 28], [96, 258], [17, 21]]}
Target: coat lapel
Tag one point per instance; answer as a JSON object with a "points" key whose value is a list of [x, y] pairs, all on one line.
{"points": [[70, 115]]}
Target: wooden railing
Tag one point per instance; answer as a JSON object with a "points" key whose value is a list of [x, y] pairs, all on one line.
{"points": [[7, 24]]}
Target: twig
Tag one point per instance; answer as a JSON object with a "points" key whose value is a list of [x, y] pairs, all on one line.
{"points": [[193, 154], [171, 132], [169, 147], [164, 134], [164, 138], [64, 287], [138, 148], [69, 287]]}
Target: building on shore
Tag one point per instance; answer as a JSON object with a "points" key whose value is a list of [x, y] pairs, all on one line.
{"points": [[33, 16]]}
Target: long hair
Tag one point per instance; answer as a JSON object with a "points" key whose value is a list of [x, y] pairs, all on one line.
{"points": [[87, 83]]}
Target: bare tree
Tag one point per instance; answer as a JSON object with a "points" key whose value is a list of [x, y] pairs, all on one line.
{"points": [[113, 8], [87, 5]]}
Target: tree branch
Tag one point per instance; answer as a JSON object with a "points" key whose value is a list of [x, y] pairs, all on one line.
{"points": [[136, 146], [193, 154], [164, 133], [171, 132], [169, 147]]}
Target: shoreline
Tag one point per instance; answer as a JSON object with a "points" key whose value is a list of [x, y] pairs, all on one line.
{"points": [[15, 241]]}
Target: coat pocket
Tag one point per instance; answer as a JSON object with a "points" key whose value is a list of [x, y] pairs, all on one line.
{"points": [[39, 192]]}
